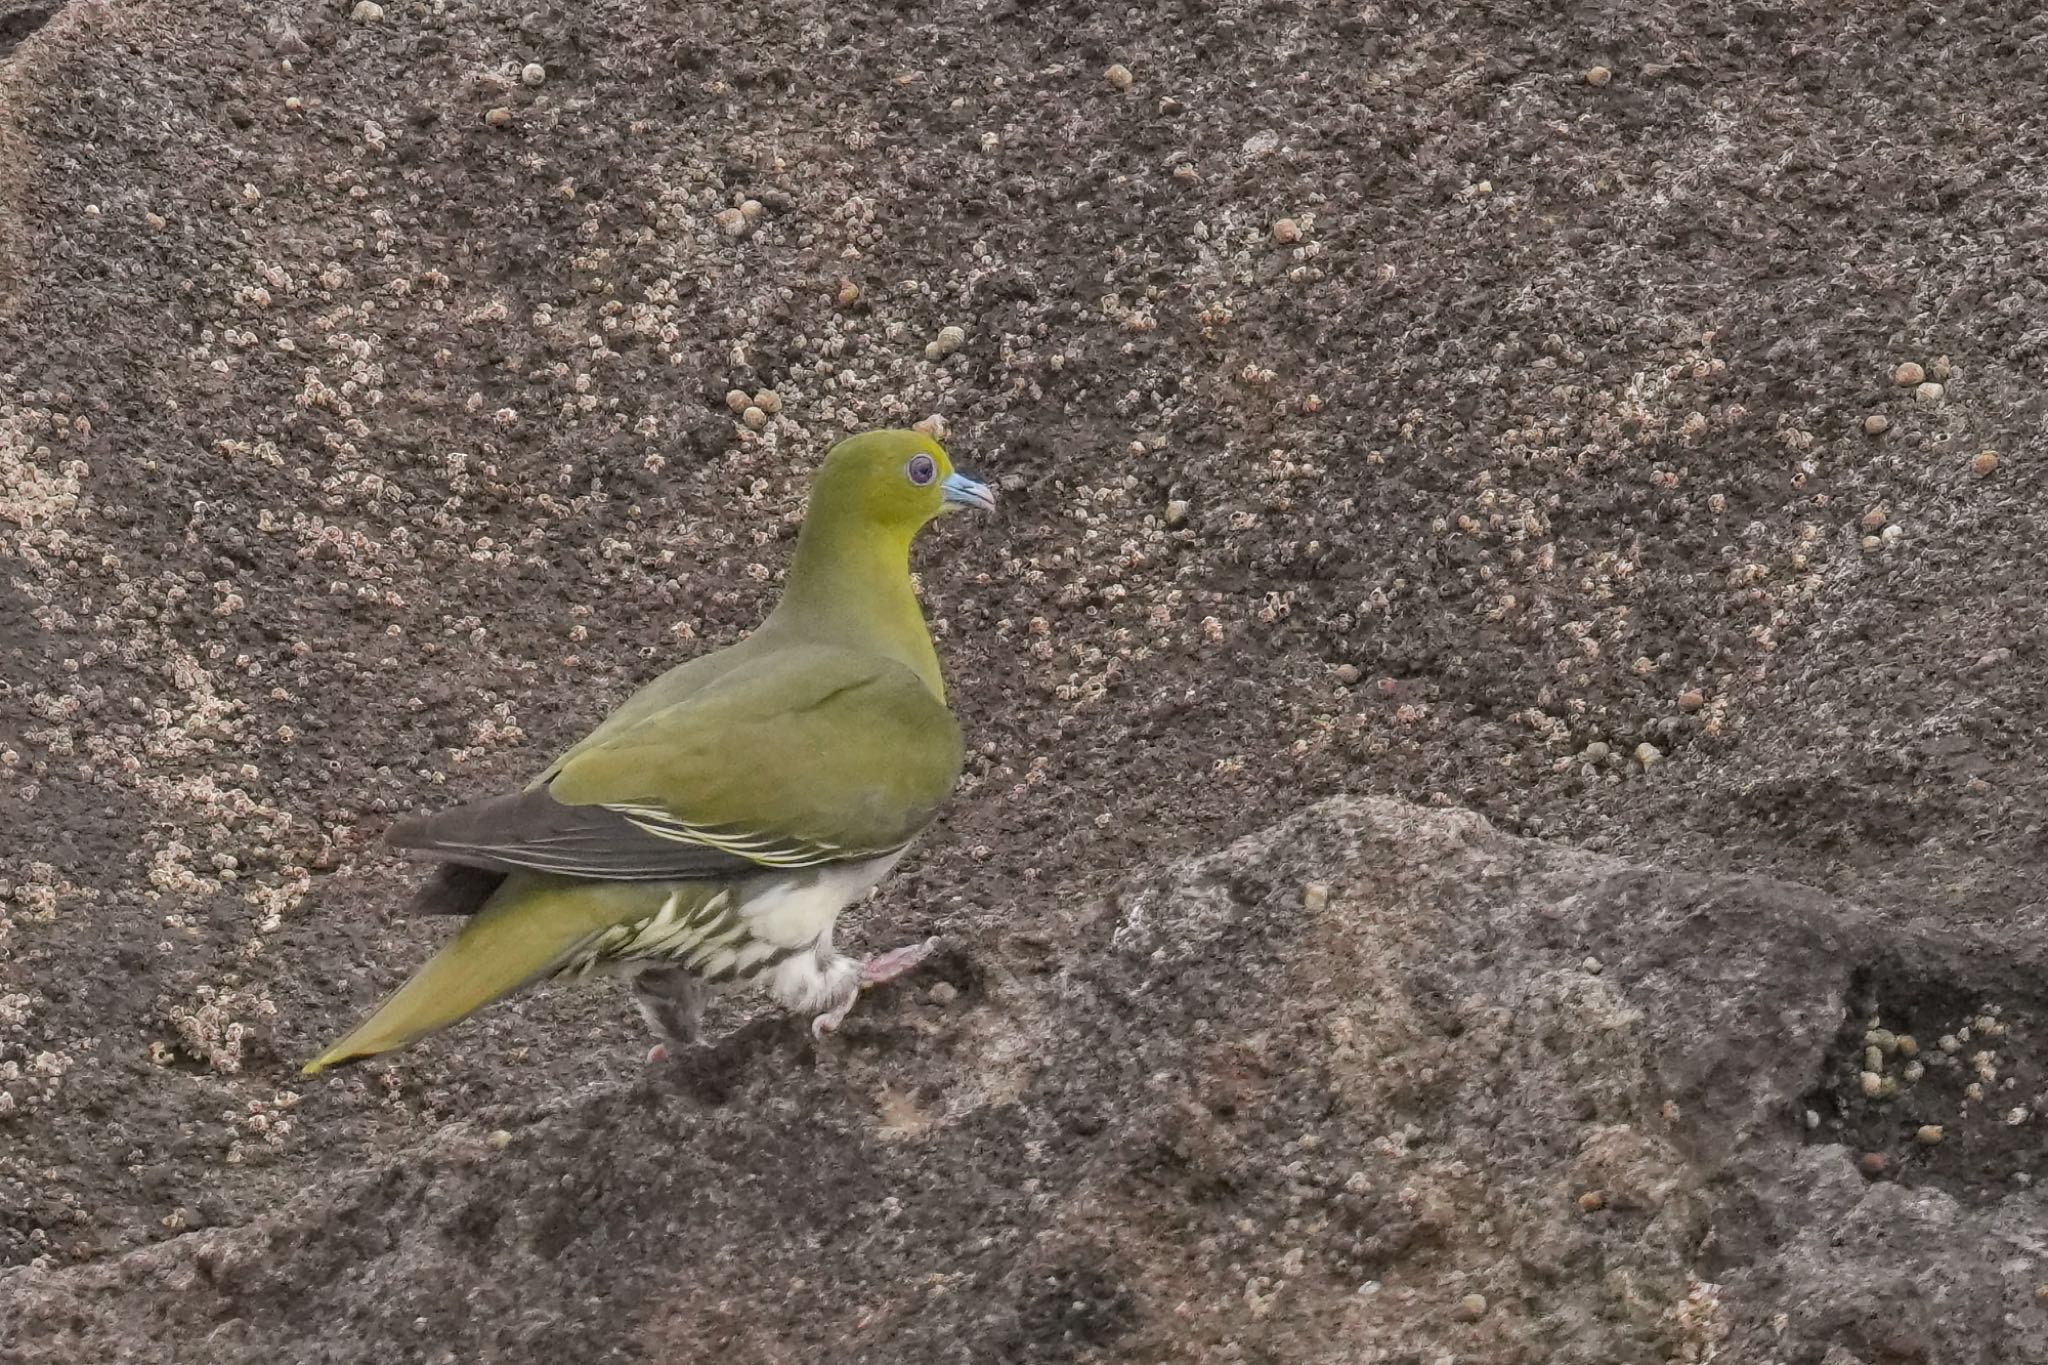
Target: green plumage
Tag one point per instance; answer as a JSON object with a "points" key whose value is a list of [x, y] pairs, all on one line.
{"points": [[524, 933], [721, 816], [877, 752]]}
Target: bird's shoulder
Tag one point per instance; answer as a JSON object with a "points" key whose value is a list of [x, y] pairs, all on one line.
{"points": [[818, 755], [817, 715], [805, 684]]}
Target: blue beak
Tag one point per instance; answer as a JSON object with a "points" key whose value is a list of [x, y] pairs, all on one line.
{"points": [[961, 491]]}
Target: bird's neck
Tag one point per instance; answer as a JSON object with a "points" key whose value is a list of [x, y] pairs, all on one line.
{"points": [[850, 585]]}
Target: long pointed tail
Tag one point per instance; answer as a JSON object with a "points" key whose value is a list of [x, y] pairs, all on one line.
{"points": [[528, 930]]}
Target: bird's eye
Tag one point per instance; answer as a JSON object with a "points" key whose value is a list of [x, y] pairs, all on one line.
{"points": [[921, 470]]}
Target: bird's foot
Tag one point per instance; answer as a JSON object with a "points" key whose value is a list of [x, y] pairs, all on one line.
{"points": [[672, 1003], [894, 963], [883, 967]]}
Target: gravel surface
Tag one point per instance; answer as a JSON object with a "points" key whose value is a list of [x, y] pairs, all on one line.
{"points": [[1625, 423]]}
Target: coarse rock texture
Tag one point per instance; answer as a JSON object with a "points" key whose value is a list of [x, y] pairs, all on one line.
{"points": [[1296, 1101], [1379, 405]]}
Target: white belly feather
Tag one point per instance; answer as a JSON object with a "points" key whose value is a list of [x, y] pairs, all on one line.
{"points": [[776, 927], [790, 913], [800, 909]]}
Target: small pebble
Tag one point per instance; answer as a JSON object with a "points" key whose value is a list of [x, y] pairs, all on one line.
{"points": [[1873, 1164], [1598, 75], [1347, 674], [2016, 1116], [849, 293], [1984, 462], [754, 417], [1177, 513], [1929, 1134], [1286, 232], [1877, 424], [1873, 1059], [1315, 896], [1648, 754], [500, 1139], [1472, 1307], [949, 340], [1872, 1083], [367, 12], [1942, 369], [498, 117], [943, 993], [732, 222], [1592, 1201], [1596, 752], [1118, 76], [1929, 392], [1913, 1072], [533, 73], [768, 401], [1692, 699], [1907, 1045], [737, 400], [1951, 1044], [1812, 1120], [1908, 374], [752, 209]]}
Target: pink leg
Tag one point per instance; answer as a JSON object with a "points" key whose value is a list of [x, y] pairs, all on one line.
{"points": [[875, 971], [894, 963]]}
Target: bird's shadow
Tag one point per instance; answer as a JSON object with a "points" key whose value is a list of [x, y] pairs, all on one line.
{"points": [[712, 1073]]}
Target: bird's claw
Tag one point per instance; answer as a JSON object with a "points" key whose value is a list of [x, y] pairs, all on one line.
{"points": [[881, 968], [894, 963]]}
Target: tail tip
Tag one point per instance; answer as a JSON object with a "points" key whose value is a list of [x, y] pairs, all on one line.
{"points": [[329, 1060]]}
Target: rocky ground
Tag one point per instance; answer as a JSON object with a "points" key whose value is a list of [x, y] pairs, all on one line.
{"points": [[1624, 424]]}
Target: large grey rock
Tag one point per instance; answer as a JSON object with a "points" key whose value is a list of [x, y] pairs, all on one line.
{"points": [[1295, 1101]]}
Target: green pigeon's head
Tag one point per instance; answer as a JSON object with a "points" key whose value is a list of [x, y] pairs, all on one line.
{"points": [[894, 481]]}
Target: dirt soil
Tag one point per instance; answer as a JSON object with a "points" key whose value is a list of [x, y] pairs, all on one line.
{"points": [[1624, 423]]}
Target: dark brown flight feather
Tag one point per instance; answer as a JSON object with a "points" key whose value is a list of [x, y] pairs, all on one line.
{"points": [[532, 831]]}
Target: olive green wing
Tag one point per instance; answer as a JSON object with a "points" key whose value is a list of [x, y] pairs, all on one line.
{"points": [[809, 756]]}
